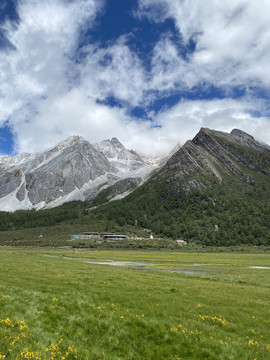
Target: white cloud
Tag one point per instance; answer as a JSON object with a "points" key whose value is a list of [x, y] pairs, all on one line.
{"points": [[169, 70], [232, 38], [113, 71], [48, 96], [184, 120], [60, 116], [75, 113], [44, 42]]}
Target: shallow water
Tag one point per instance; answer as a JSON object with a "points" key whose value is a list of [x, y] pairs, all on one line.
{"points": [[104, 262], [121, 263], [136, 265], [182, 271], [198, 264], [49, 255]]}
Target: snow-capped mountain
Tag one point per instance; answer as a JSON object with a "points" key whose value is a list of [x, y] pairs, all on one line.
{"points": [[72, 170]]}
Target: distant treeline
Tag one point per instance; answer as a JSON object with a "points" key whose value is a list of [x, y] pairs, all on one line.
{"points": [[23, 219], [236, 214]]}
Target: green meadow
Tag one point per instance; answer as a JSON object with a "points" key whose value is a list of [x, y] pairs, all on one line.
{"points": [[67, 304]]}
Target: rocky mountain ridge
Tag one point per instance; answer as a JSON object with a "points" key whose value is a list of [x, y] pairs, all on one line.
{"points": [[72, 170], [76, 170], [203, 162], [214, 190]]}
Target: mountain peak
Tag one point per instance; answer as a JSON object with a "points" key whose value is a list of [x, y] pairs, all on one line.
{"points": [[240, 133], [236, 136], [74, 169], [115, 142], [70, 141], [242, 138]]}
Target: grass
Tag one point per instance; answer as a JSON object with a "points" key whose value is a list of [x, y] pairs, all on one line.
{"points": [[61, 307]]}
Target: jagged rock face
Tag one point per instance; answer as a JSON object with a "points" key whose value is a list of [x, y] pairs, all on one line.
{"points": [[110, 148], [76, 170], [72, 170], [76, 166], [10, 180], [118, 190], [210, 155], [119, 156], [224, 147], [239, 137]]}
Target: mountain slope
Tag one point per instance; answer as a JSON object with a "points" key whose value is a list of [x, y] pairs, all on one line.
{"points": [[212, 156], [119, 156], [214, 190], [72, 170]]}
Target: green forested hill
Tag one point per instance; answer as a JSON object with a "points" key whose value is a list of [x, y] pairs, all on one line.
{"points": [[214, 191], [241, 211]]}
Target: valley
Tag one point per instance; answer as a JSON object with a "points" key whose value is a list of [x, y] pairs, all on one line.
{"points": [[60, 303], [212, 191]]}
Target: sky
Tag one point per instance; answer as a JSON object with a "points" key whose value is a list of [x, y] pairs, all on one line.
{"points": [[149, 72]]}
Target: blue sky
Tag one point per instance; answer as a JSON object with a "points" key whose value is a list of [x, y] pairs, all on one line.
{"points": [[150, 72]]}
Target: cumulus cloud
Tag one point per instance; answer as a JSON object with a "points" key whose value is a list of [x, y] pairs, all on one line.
{"points": [[184, 120], [52, 86], [48, 95], [60, 116], [40, 61], [113, 71], [232, 38]]}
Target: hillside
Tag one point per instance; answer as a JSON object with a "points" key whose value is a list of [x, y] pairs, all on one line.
{"points": [[72, 170], [215, 190]]}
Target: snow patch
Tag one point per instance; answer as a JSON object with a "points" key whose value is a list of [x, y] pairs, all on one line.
{"points": [[124, 162], [11, 203]]}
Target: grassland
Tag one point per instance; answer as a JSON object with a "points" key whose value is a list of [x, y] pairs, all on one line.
{"points": [[185, 306]]}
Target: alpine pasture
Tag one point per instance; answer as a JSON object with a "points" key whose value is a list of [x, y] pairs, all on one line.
{"points": [[67, 304]]}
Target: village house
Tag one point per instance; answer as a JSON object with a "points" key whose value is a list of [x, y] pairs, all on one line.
{"points": [[181, 242]]}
